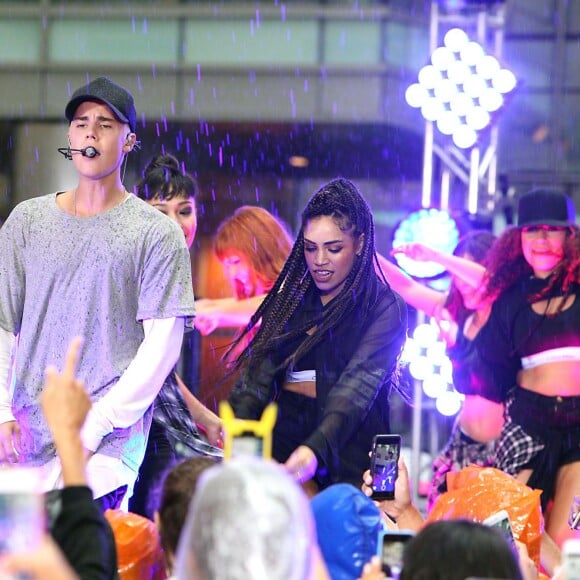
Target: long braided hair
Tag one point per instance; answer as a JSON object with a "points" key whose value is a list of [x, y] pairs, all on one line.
{"points": [[341, 200]]}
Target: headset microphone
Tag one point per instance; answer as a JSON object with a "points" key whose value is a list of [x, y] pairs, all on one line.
{"points": [[89, 152]]}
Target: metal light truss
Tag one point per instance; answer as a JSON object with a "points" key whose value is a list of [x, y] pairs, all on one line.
{"points": [[476, 168]]}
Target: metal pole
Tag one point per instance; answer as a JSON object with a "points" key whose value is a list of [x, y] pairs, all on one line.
{"points": [[427, 183], [473, 195], [445, 188]]}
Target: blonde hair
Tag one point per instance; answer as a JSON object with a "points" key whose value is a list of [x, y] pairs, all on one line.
{"points": [[260, 237]]}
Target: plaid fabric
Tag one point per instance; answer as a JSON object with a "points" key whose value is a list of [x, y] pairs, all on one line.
{"points": [[542, 433], [171, 412], [515, 447], [460, 451]]}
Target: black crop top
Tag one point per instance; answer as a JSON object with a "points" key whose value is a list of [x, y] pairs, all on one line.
{"points": [[514, 331]]}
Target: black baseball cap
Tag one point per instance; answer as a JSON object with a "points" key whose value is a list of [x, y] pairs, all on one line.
{"points": [[104, 90], [545, 207]]}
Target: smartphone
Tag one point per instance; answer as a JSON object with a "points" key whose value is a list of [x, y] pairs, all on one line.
{"points": [[571, 558], [501, 521], [385, 453], [247, 443], [22, 513], [390, 549], [243, 437]]}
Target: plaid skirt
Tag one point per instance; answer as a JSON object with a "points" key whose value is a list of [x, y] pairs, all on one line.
{"points": [[460, 451], [540, 433]]}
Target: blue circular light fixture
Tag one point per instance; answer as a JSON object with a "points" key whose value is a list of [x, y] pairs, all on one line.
{"points": [[432, 227]]}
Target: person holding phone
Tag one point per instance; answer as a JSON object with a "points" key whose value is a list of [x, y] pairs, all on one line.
{"points": [[328, 345]]}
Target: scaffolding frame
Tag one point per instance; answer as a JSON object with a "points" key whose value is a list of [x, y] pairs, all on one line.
{"points": [[477, 171]]}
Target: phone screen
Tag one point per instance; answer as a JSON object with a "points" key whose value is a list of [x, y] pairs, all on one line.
{"points": [[571, 558], [247, 444], [22, 516], [384, 470], [391, 550], [501, 521]]}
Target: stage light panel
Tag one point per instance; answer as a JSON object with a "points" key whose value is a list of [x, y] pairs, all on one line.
{"points": [[464, 79], [425, 353]]}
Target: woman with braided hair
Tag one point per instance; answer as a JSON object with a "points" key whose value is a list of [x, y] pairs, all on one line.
{"points": [[328, 345]]}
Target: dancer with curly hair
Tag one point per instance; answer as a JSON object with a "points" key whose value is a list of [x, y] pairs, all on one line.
{"points": [[529, 351]]}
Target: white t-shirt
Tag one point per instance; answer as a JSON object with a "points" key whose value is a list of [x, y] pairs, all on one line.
{"points": [[98, 277]]}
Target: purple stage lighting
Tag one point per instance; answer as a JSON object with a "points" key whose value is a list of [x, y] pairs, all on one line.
{"points": [[461, 88]]}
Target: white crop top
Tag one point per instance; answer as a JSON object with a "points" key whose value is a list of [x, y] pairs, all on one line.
{"points": [[563, 354], [300, 376]]}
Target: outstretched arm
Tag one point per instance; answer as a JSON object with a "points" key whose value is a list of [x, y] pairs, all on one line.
{"points": [[224, 312], [82, 545], [469, 271]]}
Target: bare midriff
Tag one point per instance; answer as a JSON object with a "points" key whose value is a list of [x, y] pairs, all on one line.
{"points": [[559, 378], [481, 419], [306, 388]]}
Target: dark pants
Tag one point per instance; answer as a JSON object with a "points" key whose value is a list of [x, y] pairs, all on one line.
{"points": [[159, 457], [111, 500], [52, 503]]}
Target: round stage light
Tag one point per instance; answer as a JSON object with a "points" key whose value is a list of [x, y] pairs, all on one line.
{"points": [[464, 137], [504, 81], [472, 53], [416, 95], [455, 39], [434, 386], [474, 86], [491, 100], [433, 227], [478, 118], [425, 353], [442, 57], [487, 67], [449, 403], [445, 90], [448, 122], [429, 76]]}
